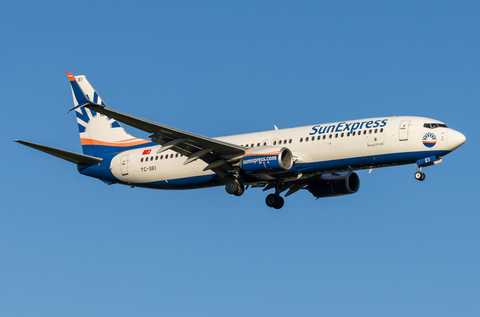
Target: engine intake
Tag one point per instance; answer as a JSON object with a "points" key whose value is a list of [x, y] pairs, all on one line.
{"points": [[273, 159], [338, 184]]}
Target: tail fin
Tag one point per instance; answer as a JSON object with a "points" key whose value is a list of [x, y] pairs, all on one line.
{"points": [[99, 134]]}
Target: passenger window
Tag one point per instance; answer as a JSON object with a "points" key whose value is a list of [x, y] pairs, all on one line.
{"points": [[336, 135], [141, 160], [284, 141], [353, 133], [348, 133], [171, 155], [376, 130], [176, 155], [166, 156], [258, 144], [341, 135], [301, 139], [381, 130], [290, 141], [330, 136], [364, 131], [279, 142], [156, 158], [264, 143], [161, 157], [324, 137], [370, 131], [253, 145], [246, 145], [146, 159], [274, 142]]}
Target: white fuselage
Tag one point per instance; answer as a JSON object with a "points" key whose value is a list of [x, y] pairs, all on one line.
{"points": [[317, 149]]}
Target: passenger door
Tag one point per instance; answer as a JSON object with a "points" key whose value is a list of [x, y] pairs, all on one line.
{"points": [[124, 165], [403, 133]]}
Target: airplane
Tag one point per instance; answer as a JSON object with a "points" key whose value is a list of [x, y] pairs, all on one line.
{"points": [[320, 158]]}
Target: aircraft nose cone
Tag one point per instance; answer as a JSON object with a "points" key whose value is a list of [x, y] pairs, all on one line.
{"points": [[455, 139]]}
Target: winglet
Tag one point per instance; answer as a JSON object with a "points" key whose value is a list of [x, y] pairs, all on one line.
{"points": [[70, 76], [77, 91]]}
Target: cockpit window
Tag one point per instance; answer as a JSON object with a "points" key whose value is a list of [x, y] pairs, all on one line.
{"points": [[434, 125]]}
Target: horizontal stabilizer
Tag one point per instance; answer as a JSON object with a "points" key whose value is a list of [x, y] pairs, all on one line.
{"points": [[65, 155]]}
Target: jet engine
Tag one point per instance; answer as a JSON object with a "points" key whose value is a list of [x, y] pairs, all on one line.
{"points": [[272, 159], [336, 184]]}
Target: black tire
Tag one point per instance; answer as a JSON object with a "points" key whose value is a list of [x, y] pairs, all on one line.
{"points": [[271, 200], [232, 187], [279, 203], [419, 175], [423, 177]]}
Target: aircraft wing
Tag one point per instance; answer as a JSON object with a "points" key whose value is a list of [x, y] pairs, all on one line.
{"points": [[159, 130], [63, 154], [215, 153]]}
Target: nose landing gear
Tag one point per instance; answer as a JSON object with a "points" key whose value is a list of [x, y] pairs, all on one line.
{"points": [[419, 175], [428, 161]]}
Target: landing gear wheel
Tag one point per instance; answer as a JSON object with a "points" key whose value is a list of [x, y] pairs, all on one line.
{"points": [[270, 200], [232, 187], [240, 191], [274, 201], [279, 203], [420, 176]]}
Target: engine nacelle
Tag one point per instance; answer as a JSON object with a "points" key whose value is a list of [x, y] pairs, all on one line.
{"points": [[335, 185], [272, 159]]}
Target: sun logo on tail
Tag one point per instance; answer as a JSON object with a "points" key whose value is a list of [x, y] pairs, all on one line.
{"points": [[429, 139]]}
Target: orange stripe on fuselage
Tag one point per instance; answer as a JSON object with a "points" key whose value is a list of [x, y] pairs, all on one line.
{"points": [[257, 154], [123, 143]]}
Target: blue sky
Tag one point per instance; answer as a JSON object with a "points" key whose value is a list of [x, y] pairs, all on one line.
{"points": [[73, 246]]}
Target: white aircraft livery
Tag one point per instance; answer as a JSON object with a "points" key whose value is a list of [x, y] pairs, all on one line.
{"points": [[320, 158]]}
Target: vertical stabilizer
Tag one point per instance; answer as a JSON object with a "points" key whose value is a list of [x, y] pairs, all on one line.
{"points": [[99, 134]]}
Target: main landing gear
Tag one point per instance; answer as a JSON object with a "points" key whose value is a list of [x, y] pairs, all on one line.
{"points": [[275, 201], [234, 187]]}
